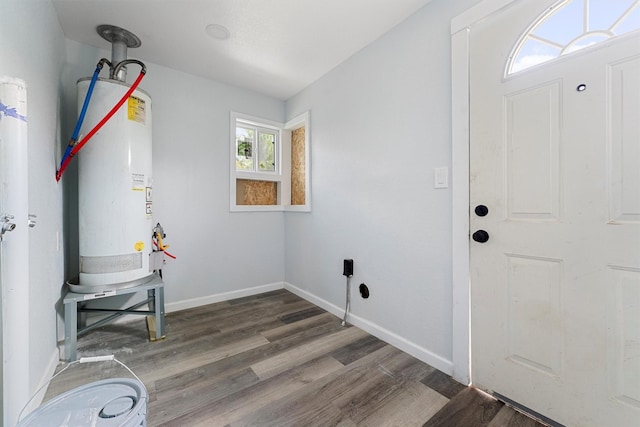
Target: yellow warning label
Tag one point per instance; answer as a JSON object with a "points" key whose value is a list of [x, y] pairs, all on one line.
{"points": [[139, 246], [136, 109]]}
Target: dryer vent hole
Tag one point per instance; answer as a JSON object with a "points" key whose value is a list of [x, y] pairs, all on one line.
{"points": [[364, 291]]}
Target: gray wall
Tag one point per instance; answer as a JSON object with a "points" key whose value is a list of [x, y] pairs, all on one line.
{"points": [[218, 251], [32, 48], [381, 123]]}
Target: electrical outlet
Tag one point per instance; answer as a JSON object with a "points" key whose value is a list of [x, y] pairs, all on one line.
{"points": [[347, 268]]}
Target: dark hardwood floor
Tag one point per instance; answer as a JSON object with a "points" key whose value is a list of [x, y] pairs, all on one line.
{"points": [[276, 360]]}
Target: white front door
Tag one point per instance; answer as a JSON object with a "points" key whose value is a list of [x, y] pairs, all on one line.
{"points": [[555, 291]]}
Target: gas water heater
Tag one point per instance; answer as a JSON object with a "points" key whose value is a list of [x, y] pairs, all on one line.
{"points": [[114, 178]]}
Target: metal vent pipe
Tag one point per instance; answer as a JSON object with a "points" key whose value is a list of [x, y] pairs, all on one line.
{"points": [[120, 40]]}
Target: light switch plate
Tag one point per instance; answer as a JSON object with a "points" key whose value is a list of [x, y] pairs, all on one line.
{"points": [[441, 177]]}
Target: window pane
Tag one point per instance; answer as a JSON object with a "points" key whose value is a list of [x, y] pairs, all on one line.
{"points": [[244, 148], [564, 25], [572, 25], [630, 23], [585, 41], [604, 13], [267, 151], [534, 52]]}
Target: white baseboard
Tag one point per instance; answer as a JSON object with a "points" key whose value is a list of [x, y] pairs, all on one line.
{"points": [[41, 390], [210, 299], [403, 344], [186, 304], [331, 308]]}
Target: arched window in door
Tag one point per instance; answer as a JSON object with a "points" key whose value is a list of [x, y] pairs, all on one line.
{"points": [[571, 25]]}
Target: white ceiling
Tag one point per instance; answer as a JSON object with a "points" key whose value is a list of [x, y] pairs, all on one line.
{"points": [[277, 47]]}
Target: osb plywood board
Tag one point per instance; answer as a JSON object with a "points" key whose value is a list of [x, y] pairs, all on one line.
{"points": [[257, 192], [298, 190]]}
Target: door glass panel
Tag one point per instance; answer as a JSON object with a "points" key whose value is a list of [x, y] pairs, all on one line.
{"points": [[604, 13], [564, 25], [534, 52], [572, 25], [585, 41], [630, 23]]}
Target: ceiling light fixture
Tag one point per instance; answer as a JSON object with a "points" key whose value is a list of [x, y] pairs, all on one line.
{"points": [[217, 31]]}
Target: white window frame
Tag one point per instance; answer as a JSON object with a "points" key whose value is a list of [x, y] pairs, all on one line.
{"points": [[282, 174], [258, 129]]}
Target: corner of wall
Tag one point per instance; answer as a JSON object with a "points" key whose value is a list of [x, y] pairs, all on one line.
{"points": [[389, 337]]}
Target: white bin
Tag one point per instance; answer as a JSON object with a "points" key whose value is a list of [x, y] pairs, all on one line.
{"points": [[114, 402]]}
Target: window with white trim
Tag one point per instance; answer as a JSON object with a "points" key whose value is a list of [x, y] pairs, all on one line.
{"points": [[269, 169], [256, 147], [572, 25]]}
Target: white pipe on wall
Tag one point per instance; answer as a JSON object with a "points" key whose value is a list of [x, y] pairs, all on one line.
{"points": [[14, 249]]}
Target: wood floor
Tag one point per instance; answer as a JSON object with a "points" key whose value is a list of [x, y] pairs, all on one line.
{"points": [[276, 360]]}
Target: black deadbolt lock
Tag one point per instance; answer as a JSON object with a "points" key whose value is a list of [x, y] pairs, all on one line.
{"points": [[481, 210], [480, 236]]}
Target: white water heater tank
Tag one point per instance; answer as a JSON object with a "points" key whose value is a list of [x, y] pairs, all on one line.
{"points": [[114, 189]]}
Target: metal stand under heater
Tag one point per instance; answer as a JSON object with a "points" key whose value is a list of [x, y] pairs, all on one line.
{"points": [[74, 304]]}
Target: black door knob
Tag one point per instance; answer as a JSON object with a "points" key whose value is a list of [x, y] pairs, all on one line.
{"points": [[481, 210], [480, 236]]}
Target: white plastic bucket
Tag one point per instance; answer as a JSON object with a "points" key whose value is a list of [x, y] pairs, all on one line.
{"points": [[114, 402]]}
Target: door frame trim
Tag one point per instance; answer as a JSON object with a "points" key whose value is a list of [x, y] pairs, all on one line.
{"points": [[460, 114]]}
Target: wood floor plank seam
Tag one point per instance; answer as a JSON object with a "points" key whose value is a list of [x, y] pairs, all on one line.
{"points": [[277, 364], [232, 407]]}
